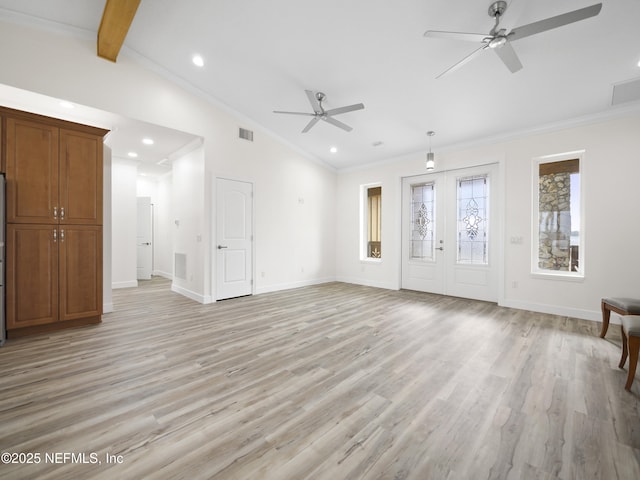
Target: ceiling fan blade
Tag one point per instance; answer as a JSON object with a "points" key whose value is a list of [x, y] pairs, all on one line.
{"points": [[350, 108], [313, 101], [465, 60], [466, 37], [311, 123], [337, 123], [295, 113], [554, 22], [509, 57]]}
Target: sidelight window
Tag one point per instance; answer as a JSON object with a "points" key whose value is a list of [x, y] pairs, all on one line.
{"points": [[372, 222]]}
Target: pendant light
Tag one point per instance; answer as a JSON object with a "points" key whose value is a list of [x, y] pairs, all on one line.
{"points": [[431, 163]]}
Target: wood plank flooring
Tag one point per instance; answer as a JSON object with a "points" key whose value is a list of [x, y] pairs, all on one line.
{"points": [[334, 381]]}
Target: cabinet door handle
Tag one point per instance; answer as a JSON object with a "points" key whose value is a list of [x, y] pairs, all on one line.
{"points": [[55, 212], [61, 212], [62, 235], [55, 235]]}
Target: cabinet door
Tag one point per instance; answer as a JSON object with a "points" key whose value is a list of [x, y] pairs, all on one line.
{"points": [[80, 271], [32, 275], [32, 172], [80, 178]]}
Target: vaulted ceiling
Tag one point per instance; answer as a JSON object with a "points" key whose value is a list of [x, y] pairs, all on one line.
{"points": [[261, 56]]}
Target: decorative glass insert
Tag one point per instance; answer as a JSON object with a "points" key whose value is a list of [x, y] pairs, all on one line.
{"points": [[473, 220], [559, 216], [422, 221]]}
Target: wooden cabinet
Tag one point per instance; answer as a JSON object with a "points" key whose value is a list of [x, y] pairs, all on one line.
{"points": [[54, 222], [80, 175], [69, 173], [54, 274], [80, 271], [31, 153], [31, 276]]}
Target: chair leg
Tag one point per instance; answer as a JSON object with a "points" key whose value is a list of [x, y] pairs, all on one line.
{"points": [[625, 350], [606, 315], [634, 349]]}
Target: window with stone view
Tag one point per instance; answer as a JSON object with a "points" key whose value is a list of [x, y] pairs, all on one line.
{"points": [[559, 216]]}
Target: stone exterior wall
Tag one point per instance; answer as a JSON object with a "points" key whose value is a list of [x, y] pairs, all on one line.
{"points": [[555, 222]]}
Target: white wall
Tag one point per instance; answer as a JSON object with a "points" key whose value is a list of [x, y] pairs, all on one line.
{"points": [[107, 297], [163, 227], [124, 223], [159, 189], [280, 174], [609, 172], [189, 224]]}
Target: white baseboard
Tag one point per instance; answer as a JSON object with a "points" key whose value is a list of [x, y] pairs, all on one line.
{"points": [[204, 299], [593, 315], [127, 284], [290, 285], [368, 283], [166, 275]]}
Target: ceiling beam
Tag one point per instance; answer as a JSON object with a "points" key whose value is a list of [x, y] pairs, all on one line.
{"points": [[115, 23]]}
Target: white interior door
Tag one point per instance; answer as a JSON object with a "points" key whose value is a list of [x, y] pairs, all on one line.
{"points": [[144, 239], [234, 237], [450, 228]]}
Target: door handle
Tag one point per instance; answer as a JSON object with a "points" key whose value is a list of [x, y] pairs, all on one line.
{"points": [[147, 243], [220, 247], [440, 248]]}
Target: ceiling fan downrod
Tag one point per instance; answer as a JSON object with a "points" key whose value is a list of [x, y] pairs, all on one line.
{"points": [[496, 10]]}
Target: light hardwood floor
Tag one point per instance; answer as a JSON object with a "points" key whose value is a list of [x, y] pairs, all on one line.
{"points": [[334, 381]]}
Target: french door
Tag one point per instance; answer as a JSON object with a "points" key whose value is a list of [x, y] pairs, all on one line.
{"points": [[450, 233]]}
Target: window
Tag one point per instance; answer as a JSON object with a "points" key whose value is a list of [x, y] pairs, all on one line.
{"points": [[373, 222], [557, 246], [473, 220]]}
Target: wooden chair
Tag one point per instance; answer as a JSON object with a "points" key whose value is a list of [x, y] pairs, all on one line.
{"points": [[619, 305], [630, 329]]}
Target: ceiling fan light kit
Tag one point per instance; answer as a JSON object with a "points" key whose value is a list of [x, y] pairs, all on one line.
{"points": [[319, 113], [499, 40]]}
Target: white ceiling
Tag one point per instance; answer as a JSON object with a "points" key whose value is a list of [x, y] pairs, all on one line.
{"points": [[261, 55]]}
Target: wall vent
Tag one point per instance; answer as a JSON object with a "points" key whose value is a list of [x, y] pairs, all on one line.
{"points": [[245, 134], [626, 92], [180, 266]]}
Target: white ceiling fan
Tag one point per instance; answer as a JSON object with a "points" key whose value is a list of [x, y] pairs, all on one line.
{"points": [[500, 41], [319, 113]]}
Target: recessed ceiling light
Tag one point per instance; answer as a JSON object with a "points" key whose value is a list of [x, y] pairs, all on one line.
{"points": [[132, 154], [639, 63], [147, 141], [333, 149], [66, 104], [197, 60]]}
